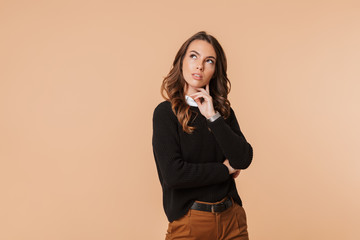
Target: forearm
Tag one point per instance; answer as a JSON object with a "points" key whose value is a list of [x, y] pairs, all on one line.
{"points": [[177, 173], [232, 142]]}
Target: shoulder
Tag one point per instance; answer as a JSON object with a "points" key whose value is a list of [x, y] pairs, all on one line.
{"points": [[231, 111], [163, 107], [232, 115], [163, 110]]}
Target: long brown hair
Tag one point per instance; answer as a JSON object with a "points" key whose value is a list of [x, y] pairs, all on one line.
{"points": [[174, 83]]}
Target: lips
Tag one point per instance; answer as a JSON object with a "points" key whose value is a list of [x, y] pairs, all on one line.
{"points": [[197, 76]]}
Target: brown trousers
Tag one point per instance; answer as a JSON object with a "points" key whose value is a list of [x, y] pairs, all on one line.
{"points": [[200, 225]]}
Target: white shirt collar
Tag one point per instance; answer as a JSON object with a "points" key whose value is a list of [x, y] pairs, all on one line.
{"points": [[190, 101]]}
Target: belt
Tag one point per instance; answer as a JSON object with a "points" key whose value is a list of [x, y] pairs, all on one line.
{"points": [[219, 207]]}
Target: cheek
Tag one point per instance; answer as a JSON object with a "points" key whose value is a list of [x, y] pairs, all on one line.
{"points": [[189, 65], [186, 70], [185, 66], [211, 72]]}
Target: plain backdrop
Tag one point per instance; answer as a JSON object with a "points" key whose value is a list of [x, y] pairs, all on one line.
{"points": [[79, 81]]}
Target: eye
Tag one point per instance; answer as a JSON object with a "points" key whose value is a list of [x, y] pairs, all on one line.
{"points": [[211, 61], [191, 55]]}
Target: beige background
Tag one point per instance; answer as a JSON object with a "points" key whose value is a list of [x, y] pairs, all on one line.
{"points": [[79, 81]]}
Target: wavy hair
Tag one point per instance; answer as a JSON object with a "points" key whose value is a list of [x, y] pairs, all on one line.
{"points": [[174, 83]]}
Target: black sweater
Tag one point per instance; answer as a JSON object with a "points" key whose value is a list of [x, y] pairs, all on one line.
{"points": [[190, 166]]}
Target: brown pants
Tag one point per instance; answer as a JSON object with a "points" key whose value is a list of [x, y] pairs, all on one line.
{"points": [[201, 225]]}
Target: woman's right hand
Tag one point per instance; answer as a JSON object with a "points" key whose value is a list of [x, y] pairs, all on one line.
{"points": [[230, 168]]}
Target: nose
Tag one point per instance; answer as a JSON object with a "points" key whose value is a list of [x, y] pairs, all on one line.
{"points": [[199, 67]]}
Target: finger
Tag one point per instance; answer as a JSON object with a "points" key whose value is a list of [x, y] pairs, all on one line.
{"points": [[199, 95], [197, 100], [237, 174], [203, 91], [208, 88], [205, 98], [195, 94]]}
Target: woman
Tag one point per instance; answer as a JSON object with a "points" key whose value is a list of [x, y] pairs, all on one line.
{"points": [[198, 146]]}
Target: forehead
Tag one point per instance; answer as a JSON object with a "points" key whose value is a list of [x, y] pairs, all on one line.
{"points": [[202, 47]]}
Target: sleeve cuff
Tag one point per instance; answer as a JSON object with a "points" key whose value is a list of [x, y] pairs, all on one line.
{"points": [[213, 118]]}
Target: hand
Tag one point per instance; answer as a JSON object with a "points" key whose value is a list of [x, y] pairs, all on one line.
{"points": [[230, 168], [236, 173], [206, 106]]}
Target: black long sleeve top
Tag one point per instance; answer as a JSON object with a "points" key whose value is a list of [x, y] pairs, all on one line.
{"points": [[190, 166]]}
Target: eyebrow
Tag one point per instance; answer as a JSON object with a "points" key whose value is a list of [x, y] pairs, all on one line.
{"points": [[200, 54]]}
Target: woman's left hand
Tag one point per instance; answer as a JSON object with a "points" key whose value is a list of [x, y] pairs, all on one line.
{"points": [[206, 107]]}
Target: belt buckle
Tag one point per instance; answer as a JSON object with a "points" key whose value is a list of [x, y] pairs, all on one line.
{"points": [[217, 205], [212, 209]]}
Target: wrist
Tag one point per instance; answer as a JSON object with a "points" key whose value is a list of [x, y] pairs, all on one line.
{"points": [[213, 117], [228, 169]]}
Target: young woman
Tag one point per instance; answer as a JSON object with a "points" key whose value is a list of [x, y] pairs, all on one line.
{"points": [[198, 146]]}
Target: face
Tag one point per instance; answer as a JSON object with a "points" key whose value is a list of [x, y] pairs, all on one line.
{"points": [[198, 65]]}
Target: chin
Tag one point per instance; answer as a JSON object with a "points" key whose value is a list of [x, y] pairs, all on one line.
{"points": [[195, 83]]}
